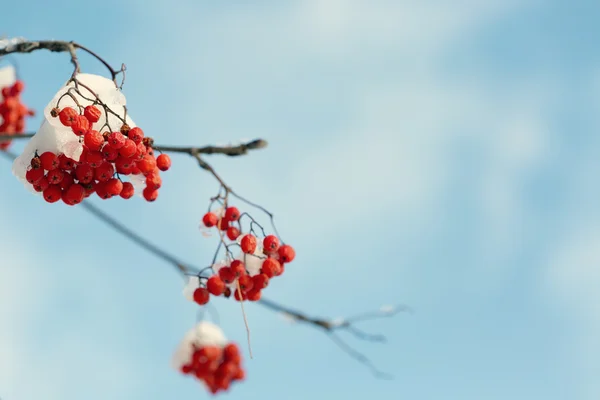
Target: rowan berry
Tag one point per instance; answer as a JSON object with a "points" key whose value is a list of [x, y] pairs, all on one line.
{"points": [[116, 140], [249, 244], [270, 244], [81, 125], [104, 172], [109, 153], [136, 134], [238, 268], [239, 295], [66, 181], [232, 214], [215, 285], [286, 253], [49, 161], [270, 267], [52, 194], [33, 176], [233, 233], [41, 185], [210, 219], [261, 281], [84, 173], [246, 283], [94, 158], [55, 176], [74, 194], [128, 149], [65, 163], [163, 162], [92, 114], [114, 187], [153, 180], [201, 296], [93, 140], [147, 164], [128, 190], [150, 194], [254, 295], [67, 116], [227, 275]]}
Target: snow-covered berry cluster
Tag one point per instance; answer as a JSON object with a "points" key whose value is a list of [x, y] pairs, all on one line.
{"points": [[12, 110], [206, 355], [261, 258], [87, 147]]}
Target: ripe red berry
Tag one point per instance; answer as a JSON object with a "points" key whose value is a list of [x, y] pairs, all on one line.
{"points": [[116, 140], [104, 171], [153, 180], [128, 149], [136, 134], [270, 267], [109, 153], [261, 281], [101, 191], [238, 268], [67, 181], [223, 224], [150, 194], [55, 176], [163, 162], [52, 194], [128, 190], [232, 214], [227, 275], [93, 140], [33, 176], [210, 219], [65, 163], [41, 184], [231, 352], [94, 158], [201, 296], [49, 161], [81, 125], [84, 173], [286, 253], [233, 233], [114, 187], [271, 244], [215, 285], [17, 88], [92, 114], [238, 295], [74, 194], [253, 295], [249, 244], [246, 283], [67, 116]]}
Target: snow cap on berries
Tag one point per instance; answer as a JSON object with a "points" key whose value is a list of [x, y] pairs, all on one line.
{"points": [[203, 334], [54, 137]]}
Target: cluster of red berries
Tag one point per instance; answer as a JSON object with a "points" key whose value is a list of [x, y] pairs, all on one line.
{"points": [[217, 367], [13, 112], [238, 278], [104, 156]]}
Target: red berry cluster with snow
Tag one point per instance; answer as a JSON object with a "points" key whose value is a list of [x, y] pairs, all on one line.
{"points": [[206, 355], [261, 259], [12, 111], [86, 144]]}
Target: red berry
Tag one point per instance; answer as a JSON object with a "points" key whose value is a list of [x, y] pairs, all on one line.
{"points": [[286, 253], [239, 296], [101, 191], [231, 352], [136, 134], [109, 153], [150, 194], [17, 88], [261, 281], [74, 194], [94, 158], [215, 285], [84, 173], [117, 140], [233, 233], [232, 214], [238, 268], [223, 224], [81, 125], [104, 172], [67, 181], [93, 140], [67, 116], [52, 194], [92, 114], [129, 148], [163, 162], [227, 275], [246, 283], [210, 219], [147, 164], [153, 180], [33, 176], [128, 190], [55, 176], [114, 187], [271, 244], [270, 267], [201, 296], [253, 295], [65, 163], [41, 184], [249, 244], [49, 161]]}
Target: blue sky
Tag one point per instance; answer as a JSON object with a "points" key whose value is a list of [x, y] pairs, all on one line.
{"points": [[436, 154]]}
